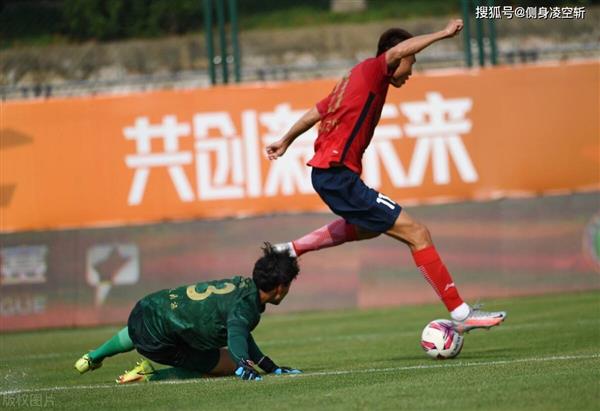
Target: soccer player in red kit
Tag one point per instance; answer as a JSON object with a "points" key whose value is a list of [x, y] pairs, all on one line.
{"points": [[348, 117]]}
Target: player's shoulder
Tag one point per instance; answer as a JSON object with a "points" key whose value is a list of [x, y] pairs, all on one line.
{"points": [[361, 65], [245, 288], [246, 298], [371, 68], [241, 282], [375, 61]]}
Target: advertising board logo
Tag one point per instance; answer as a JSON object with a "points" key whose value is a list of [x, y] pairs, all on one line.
{"points": [[109, 265], [23, 265], [22, 305]]}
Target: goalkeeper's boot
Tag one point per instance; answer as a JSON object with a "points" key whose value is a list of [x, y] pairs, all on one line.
{"points": [[85, 364], [285, 248], [478, 318], [142, 372]]}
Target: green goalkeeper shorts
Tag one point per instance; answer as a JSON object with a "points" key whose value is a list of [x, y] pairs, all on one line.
{"points": [[168, 353]]}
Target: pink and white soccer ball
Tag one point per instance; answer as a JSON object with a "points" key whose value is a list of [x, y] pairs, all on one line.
{"points": [[440, 340]]}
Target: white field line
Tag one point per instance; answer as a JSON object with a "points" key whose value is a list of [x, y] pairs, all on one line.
{"points": [[315, 374], [321, 339]]}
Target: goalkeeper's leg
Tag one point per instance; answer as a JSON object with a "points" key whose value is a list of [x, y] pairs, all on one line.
{"points": [[225, 366], [118, 344], [186, 363]]}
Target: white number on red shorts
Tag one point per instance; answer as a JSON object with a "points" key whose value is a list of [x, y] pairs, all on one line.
{"points": [[385, 200]]}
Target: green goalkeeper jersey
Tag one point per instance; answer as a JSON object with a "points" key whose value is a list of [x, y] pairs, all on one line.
{"points": [[206, 316]]}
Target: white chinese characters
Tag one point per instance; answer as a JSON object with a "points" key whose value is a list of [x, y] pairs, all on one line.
{"points": [[437, 126], [169, 131], [228, 162], [226, 148], [291, 173]]}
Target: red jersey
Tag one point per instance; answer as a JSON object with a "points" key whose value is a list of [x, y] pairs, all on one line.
{"points": [[349, 115]]}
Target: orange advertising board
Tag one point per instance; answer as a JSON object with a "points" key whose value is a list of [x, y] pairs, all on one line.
{"points": [[171, 155]]}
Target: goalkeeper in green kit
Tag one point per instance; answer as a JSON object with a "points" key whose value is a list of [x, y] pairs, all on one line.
{"points": [[202, 329]]}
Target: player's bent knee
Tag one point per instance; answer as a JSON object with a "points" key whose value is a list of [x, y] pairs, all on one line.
{"points": [[422, 236], [415, 234]]}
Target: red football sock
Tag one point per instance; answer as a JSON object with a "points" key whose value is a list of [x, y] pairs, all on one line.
{"points": [[335, 233], [431, 266]]}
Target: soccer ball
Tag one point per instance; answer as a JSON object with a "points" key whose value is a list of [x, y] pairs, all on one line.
{"points": [[440, 340]]}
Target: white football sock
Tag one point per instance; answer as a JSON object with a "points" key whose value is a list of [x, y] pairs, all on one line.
{"points": [[292, 250], [461, 312], [286, 248]]}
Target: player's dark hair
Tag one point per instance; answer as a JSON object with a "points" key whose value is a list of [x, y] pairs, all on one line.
{"points": [[390, 38], [274, 268]]}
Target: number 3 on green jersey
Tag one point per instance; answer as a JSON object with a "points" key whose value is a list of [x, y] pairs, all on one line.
{"points": [[211, 289]]}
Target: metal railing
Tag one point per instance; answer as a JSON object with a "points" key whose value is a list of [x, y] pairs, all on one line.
{"points": [[329, 68]]}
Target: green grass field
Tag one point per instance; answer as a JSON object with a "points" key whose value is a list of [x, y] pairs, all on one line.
{"points": [[546, 356]]}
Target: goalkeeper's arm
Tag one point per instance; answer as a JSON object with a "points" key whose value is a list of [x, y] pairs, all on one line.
{"points": [[264, 362]]}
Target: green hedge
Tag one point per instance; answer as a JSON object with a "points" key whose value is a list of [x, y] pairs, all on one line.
{"points": [[44, 21], [26, 21], [111, 19]]}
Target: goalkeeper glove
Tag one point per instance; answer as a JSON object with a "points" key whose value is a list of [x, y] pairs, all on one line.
{"points": [[271, 368], [246, 371]]}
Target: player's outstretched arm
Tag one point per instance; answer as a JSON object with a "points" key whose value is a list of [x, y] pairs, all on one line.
{"points": [[278, 148], [416, 44], [238, 334]]}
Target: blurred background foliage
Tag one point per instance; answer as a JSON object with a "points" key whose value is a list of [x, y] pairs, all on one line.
{"points": [[27, 22]]}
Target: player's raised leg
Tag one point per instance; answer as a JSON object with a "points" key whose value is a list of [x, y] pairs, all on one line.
{"points": [[119, 343], [418, 238], [335, 233], [361, 206]]}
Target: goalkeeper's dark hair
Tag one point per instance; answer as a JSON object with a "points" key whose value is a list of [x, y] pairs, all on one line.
{"points": [[390, 38], [274, 268]]}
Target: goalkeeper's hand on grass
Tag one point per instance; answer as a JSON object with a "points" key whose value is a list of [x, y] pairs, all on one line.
{"points": [[286, 370], [271, 368], [246, 371]]}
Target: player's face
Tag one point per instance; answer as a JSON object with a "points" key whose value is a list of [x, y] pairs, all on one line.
{"points": [[282, 291], [403, 71]]}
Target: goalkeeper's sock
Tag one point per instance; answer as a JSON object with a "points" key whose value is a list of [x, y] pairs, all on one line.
{"points": [[330, 235], [174, 373], [435, 272], [119, 343]]}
